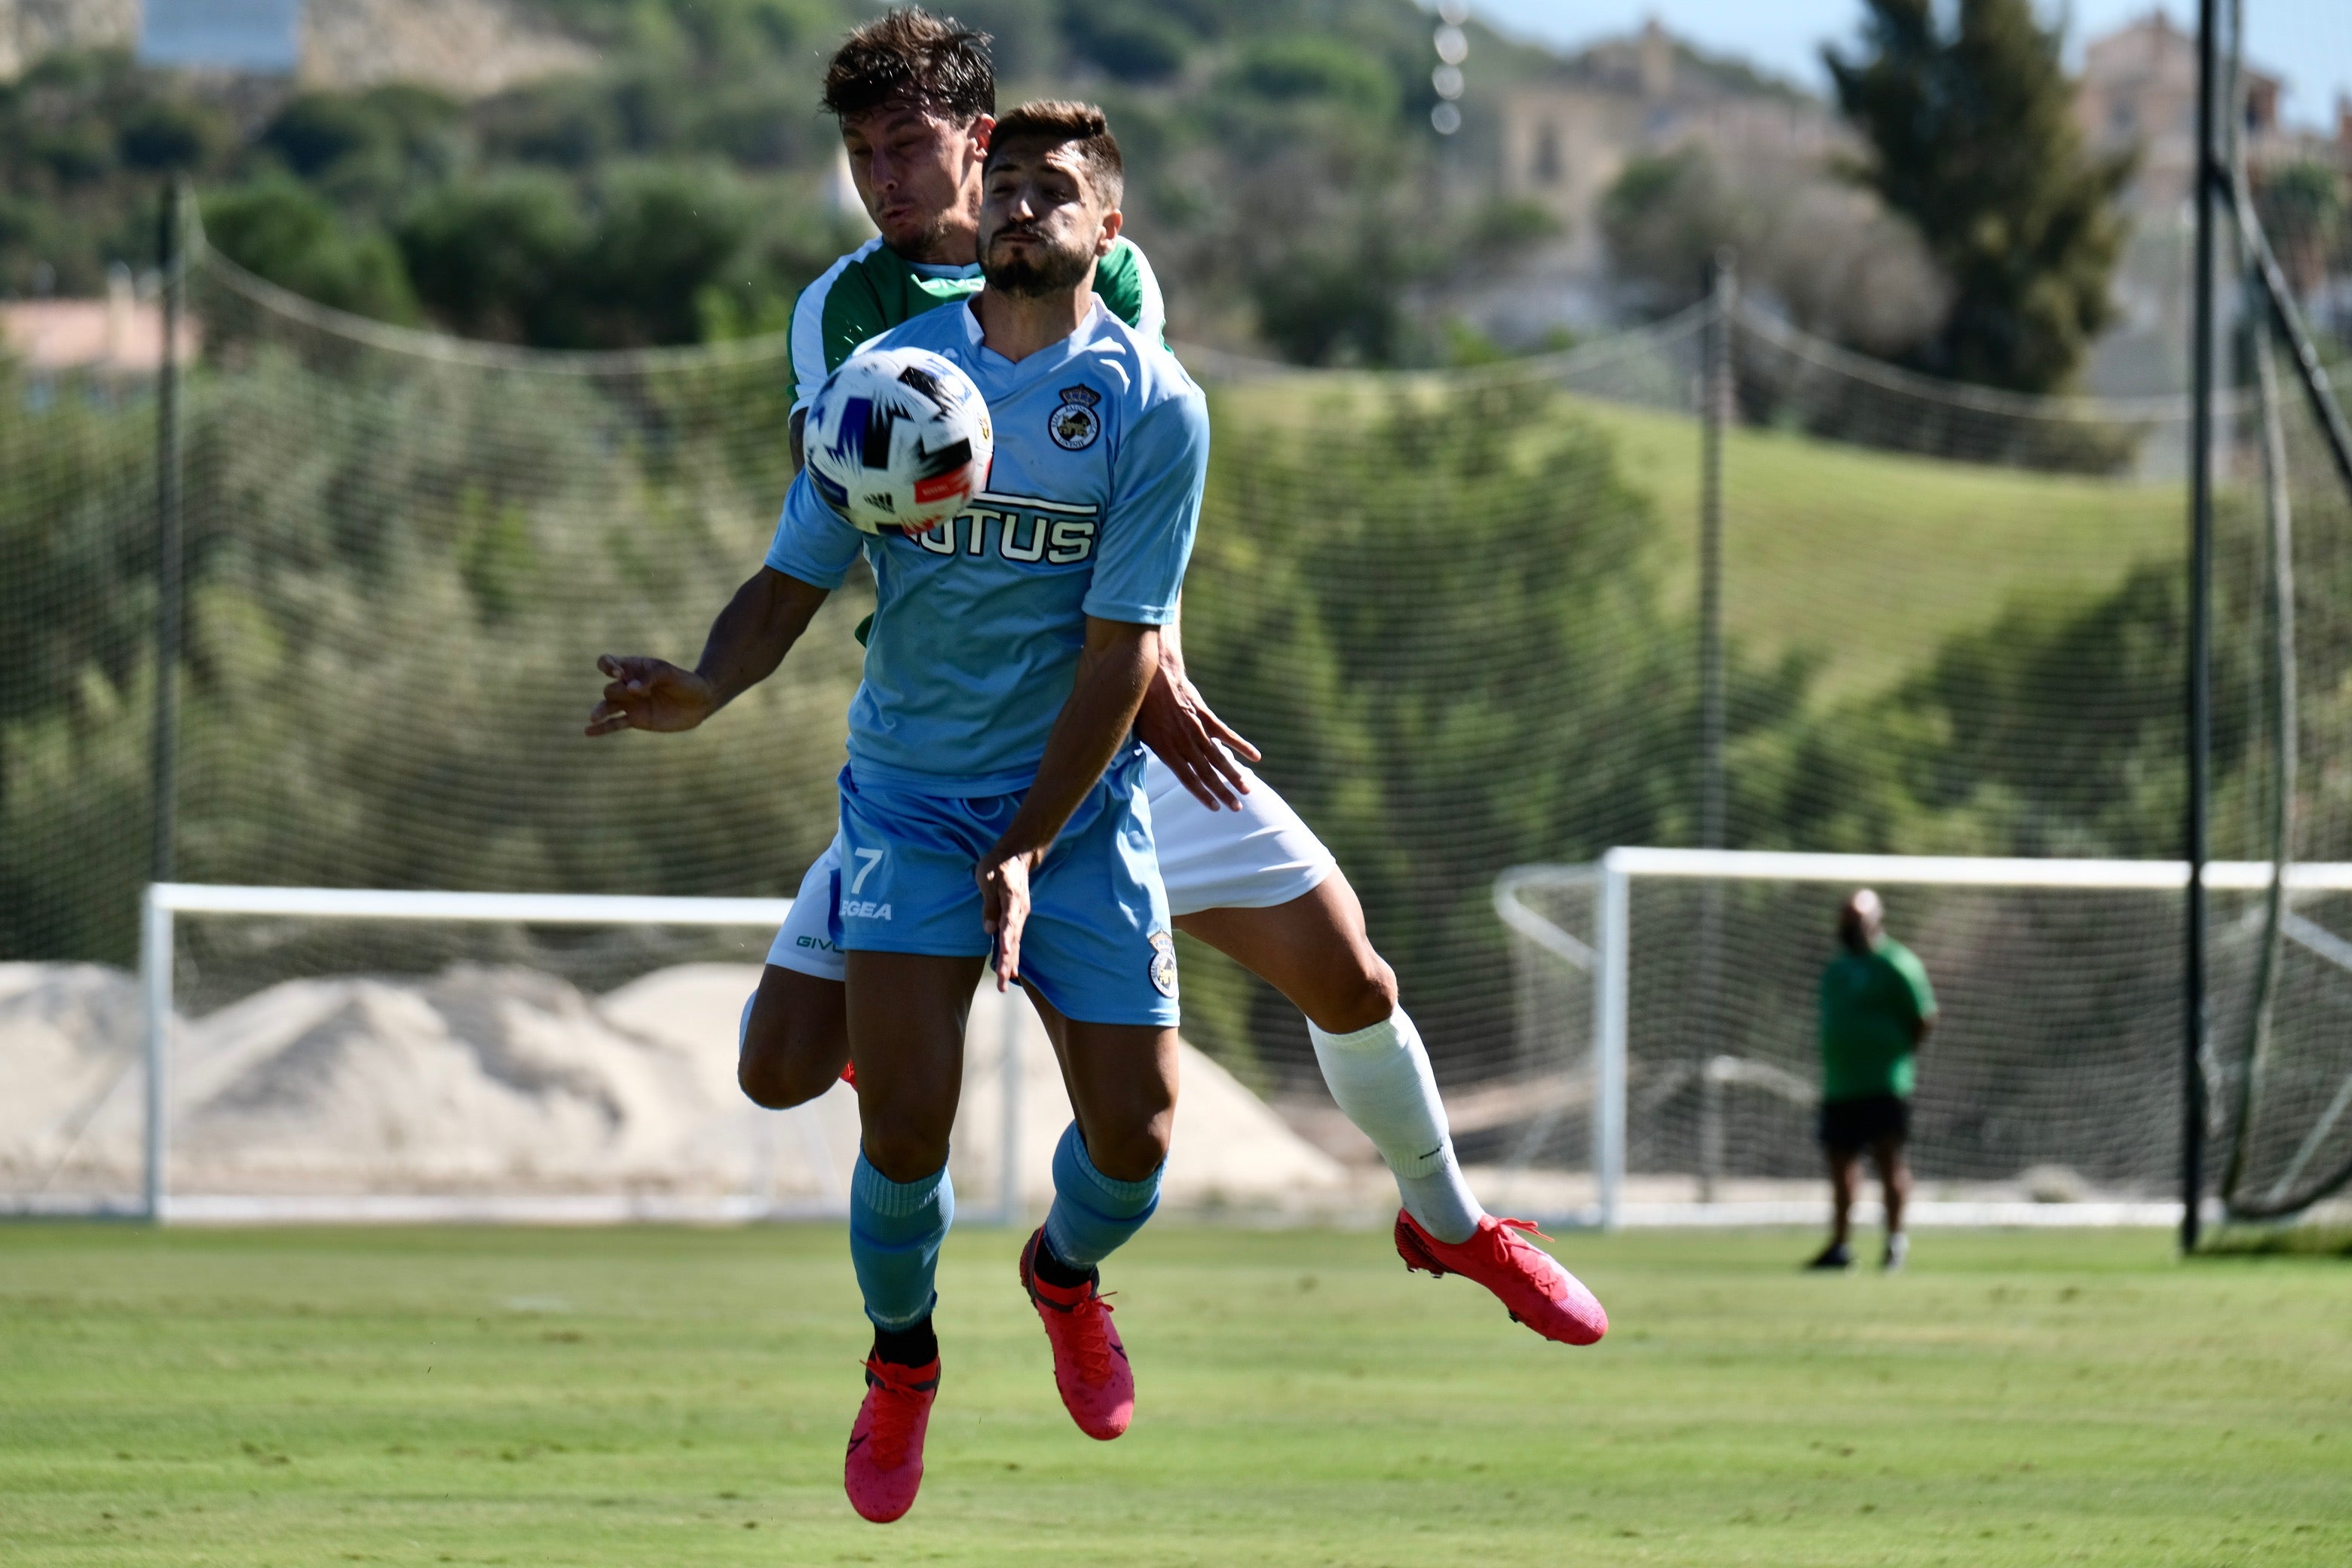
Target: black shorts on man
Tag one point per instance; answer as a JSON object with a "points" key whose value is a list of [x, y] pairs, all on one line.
{"points": [[1850, 1126]]}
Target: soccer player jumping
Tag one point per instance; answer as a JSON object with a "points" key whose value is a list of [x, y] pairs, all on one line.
{"points": [[915, 96], [992, 802]]}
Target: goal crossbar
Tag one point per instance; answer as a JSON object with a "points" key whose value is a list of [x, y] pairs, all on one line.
{"points": [[532, 909], [1956, 870], [164, 902]]}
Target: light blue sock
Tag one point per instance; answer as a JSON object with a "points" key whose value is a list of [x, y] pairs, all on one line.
{"points": [[1093, 1214], [895, 1231]]}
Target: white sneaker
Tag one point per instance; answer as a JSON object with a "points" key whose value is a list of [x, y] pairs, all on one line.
{"points": [[1898, 1248]]}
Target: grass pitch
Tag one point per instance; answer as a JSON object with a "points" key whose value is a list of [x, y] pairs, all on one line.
{"points": [[681, 1397], [1870, 560]]}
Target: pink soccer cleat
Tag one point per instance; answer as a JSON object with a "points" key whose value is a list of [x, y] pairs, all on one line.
{"points": [[1089, 1364], [884, 1467], [1530, 1281]]}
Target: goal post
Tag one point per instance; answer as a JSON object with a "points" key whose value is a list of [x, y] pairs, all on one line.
{"points": [[2047, 1090], [366, 988]]}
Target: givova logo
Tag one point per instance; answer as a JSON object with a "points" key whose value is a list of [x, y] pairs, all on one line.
{"points": [[1025, 529]]}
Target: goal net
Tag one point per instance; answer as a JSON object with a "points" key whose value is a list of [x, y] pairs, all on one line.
{"points": [[1680, 990], [337, 1054]]}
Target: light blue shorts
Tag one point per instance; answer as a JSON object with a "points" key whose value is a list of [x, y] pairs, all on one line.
{"points": [[1254, 859], [1097, 944]]}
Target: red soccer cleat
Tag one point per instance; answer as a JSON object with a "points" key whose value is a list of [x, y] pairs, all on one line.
{"points": [[1089, 1364], [1528, 1280], [885, 1464]]}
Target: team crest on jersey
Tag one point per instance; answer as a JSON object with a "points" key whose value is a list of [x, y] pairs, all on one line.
{"points": [[1164, 964], [1075, 425]]}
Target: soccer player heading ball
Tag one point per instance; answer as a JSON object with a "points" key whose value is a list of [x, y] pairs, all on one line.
{"points": [[962, 201], [916, 97], [990, 815]]}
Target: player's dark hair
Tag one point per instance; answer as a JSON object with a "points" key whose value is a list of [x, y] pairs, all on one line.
{"points": [[1056, 121], [912, 58]]}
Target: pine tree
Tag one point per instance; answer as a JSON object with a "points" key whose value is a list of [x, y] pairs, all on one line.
{"points": [[1971, 136]]}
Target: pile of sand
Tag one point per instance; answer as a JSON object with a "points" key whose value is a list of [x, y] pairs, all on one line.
{"points": [[69, 1036], [510, 1082]]}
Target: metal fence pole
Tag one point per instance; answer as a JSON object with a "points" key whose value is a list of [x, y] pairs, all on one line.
{"points": [[2200, 573], [171, 588], [1716, 418]]}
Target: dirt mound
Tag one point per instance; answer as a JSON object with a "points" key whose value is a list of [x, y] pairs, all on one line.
{"points": [[510, 1082]]}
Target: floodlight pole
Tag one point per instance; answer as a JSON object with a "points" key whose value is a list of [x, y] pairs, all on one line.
{"points": [[2196, 1021]]}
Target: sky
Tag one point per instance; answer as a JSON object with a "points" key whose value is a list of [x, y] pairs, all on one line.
{"points": [[2308, 42]]}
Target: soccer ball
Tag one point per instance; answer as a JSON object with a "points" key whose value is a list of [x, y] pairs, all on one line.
{"points": [[897, 438]]}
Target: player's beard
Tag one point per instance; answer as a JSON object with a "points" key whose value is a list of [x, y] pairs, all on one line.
{"points": [[925, 245], [1046, 268]]}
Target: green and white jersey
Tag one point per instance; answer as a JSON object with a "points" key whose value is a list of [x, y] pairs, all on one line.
{"points": [[874, 288]]}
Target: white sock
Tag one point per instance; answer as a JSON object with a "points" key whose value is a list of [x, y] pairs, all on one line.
{"points": [[1381, 1078]]}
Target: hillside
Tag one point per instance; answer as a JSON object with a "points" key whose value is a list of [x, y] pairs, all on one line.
{"points": [[593, 174], [1872, 561], [467, 49], [1865, 562]]}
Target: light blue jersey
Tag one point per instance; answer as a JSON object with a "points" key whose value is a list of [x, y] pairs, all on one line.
{"points": [[1102, 443]]}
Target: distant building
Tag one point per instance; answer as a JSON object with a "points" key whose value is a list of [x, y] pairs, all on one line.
{"points": [[2138, 94], [467, 48], [121, 333], [1567, 136]]}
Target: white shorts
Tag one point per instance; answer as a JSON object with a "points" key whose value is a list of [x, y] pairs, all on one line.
{"points": [[1254, 859]]}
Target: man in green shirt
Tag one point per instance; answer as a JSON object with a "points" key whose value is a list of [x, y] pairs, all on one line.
{"points": [[1876, 1009]]}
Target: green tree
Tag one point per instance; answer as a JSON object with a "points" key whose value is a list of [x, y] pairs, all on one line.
{"points": [[1128, 39], [283, 232], [487, 255], [77, 552], [1968, 113], [2302, 210]]}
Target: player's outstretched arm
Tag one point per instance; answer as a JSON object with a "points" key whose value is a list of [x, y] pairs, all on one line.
{"points": [[1182, 729], [747, 642], [1114, 667]]}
